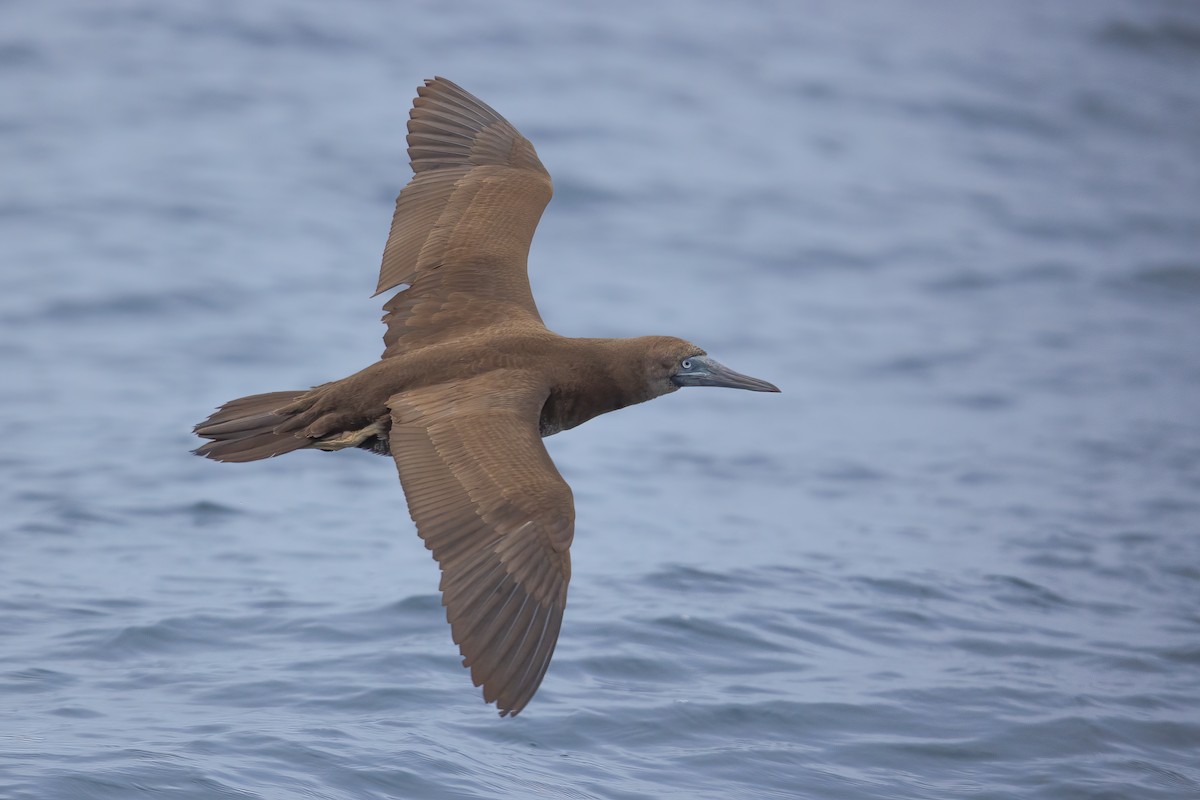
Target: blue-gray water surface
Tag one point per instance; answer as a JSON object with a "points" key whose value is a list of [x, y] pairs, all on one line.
{"points": [[957, 557]]}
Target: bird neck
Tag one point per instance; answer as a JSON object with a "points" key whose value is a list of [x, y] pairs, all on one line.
{"points": [[602, 375]]}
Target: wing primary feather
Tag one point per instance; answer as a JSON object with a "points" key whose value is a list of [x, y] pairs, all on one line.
{"points": [[468, 593], [471, 574], [453, 88], [423, 125], [483, 630], [493, 658], [522, 657], [531, 679], [446, 107], [461, 102], [508, 652]]}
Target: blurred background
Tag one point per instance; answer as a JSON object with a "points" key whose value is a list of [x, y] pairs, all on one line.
{"points": [[957, 557]]}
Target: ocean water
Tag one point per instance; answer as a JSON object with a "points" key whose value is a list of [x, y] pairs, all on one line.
{"points": [[959, 556]]}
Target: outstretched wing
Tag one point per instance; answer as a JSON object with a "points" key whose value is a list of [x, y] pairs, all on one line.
{"points": [[499, 518], [461, 232]]}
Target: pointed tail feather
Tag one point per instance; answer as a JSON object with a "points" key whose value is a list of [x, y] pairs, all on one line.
{"points": [[245, 429]]}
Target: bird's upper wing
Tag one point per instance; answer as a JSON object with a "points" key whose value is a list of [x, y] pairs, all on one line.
{"points": [[499, 518], [462, 228]]}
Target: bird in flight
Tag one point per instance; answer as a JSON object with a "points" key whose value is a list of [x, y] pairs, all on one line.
{"points": [[469, 382]]}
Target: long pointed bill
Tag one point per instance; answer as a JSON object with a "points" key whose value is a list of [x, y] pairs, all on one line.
{"points": [[706, 372]]}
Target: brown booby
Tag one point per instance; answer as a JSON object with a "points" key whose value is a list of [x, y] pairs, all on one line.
{"points": [[468, 384]]}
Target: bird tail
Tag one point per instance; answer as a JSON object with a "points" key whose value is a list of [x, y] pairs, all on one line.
{"points": [[249, 428]]}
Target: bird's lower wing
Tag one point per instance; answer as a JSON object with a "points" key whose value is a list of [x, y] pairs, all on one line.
{"points": [[499, 518]]}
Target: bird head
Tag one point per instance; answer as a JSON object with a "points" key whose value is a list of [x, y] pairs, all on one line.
{"points": [[674, 363]]}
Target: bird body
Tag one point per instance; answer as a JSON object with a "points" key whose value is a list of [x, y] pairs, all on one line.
{"points": [[469, 383]]}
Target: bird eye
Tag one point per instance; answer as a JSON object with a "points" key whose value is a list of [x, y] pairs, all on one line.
{"points": [[686, 363]]}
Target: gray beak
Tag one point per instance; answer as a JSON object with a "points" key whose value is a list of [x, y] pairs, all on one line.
{"points": [[706, 372]]}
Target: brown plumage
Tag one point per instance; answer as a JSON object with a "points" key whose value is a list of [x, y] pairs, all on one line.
{"points": [[469, 383]]}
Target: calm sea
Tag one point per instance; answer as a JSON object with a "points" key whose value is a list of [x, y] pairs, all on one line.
{"points": [[958, 557]]}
